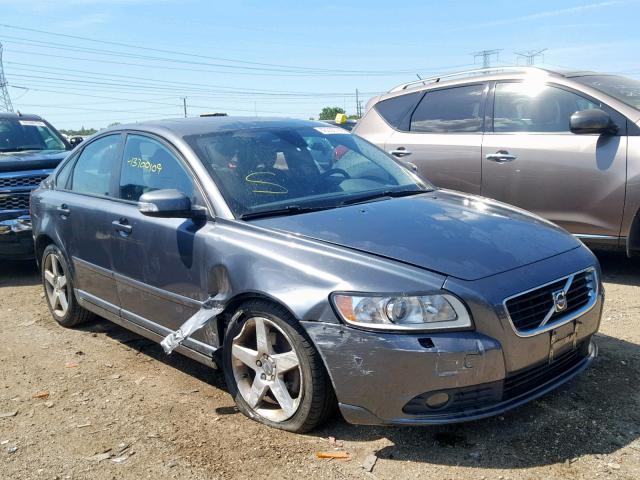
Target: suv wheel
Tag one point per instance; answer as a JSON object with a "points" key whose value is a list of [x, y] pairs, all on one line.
{"points": [[58, 290], [273, 371]]}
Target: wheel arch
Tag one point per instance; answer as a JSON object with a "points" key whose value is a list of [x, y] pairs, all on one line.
{"points": [[633, 239], [42, 241], [237, 300]]}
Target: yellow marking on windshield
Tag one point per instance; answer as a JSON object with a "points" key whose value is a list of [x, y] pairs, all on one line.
{"points": [[264, 184]]}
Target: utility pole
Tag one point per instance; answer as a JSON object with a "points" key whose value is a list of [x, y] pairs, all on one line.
{"points": [[184, 105], [530, 55], [5, 101], [486, 56], [358, 112]]}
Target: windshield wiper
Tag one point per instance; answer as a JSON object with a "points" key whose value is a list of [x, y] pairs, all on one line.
{"points": [[382, 194], [19, 149], [288, 210]]}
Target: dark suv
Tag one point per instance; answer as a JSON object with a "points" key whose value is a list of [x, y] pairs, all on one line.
{"points": [[30, 148]]}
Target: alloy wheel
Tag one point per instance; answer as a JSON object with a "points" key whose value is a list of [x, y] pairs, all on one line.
{"points": [[56, 285], [267, 370]]}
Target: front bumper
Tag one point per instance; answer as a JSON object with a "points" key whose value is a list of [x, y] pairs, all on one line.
{"points": [[385, 378], [16, 241]]}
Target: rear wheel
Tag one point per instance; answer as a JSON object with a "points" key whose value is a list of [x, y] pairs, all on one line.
{"points": [[58, 290], [273, 371]]}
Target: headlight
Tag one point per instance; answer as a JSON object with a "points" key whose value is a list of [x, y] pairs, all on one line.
{"points": [[402, 312]]}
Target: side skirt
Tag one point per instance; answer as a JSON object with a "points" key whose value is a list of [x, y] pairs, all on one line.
{"points": [[198, 351]]}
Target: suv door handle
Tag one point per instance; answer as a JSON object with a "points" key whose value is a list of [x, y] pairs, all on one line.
{"points": [[400, 152], [122, 226], [63, 210], [501, 156]]}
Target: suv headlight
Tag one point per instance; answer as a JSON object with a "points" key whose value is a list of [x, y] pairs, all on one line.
{"points": [[434, 311]]}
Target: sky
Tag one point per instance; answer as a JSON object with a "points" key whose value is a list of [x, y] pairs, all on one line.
{"points": [[95, 62]]}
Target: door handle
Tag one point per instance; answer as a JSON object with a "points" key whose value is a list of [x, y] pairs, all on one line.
{"points": [[122, 226], [501, 156], [400, 152], [63, 210]]}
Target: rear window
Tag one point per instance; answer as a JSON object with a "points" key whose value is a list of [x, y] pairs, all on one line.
{"points": [[450, 110], [397, 110]]}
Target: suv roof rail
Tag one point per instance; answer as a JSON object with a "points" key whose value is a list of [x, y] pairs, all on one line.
{"points": [[469, 73]]}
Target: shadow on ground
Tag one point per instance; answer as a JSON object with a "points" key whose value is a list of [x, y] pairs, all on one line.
{"points": [[617, 268], [18, 273]]}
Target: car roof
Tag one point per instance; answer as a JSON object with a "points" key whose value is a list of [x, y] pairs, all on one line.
{"points": [[202, 125], [490, 73], [24, 116]]}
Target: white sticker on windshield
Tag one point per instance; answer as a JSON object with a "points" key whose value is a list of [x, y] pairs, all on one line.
{"points": [[331, 130], [32, 123]]}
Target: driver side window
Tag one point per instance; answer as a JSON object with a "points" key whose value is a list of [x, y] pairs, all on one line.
{"points": [[148, 165]]}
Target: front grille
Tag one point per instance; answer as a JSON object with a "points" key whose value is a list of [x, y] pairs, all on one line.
{"points": [[530, 309], [14, 202], [532, 378], [22, 181]]}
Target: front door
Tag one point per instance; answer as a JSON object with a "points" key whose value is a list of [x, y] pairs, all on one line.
{"points": [[532, 160], [445, 137], [158, 261]]}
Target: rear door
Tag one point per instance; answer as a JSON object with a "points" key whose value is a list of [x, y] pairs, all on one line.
{"points": [[443, 137], [532, 160], [158, 261], [82, 206]]}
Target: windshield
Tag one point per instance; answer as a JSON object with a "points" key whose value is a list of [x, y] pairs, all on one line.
{"points": [[18, 135], [299, 169], [624, 89]]}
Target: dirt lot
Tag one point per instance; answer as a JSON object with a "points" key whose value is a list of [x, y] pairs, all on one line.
{"points": [[113, 393]]}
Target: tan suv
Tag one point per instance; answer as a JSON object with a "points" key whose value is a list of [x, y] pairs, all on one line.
{"points": [[565, 145]]}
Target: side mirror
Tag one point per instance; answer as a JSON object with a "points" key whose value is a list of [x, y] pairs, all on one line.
{"points": [[593, 120], [73, 141], [168, 203]]}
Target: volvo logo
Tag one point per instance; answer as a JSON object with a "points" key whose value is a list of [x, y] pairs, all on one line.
{"points": [[559, 301]]}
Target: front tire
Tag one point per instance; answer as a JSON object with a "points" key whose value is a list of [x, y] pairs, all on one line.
{"points": [[273, 371], [58, 289]]}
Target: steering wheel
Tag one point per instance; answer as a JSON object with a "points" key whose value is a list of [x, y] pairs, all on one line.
{"points": [[333, 171]]}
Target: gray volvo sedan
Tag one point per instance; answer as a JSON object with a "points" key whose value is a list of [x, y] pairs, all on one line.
{"points": [[316, 270]]}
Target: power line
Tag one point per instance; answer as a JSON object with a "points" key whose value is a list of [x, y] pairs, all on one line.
{"points": [[244, 64], [5, 100], [148, 81]]}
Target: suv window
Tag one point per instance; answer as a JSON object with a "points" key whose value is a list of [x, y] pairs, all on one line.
{"points": [[94, 169], [397, 110], [535, 107], [148, 165], [450, 110]]}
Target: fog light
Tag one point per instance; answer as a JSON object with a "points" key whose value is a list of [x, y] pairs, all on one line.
{"points": [[437, 400]]}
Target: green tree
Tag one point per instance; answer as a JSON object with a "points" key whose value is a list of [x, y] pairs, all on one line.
{"points": [[329, 113]]}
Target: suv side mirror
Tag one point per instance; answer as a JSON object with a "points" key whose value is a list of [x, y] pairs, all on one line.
{"points": [[73, 141], [593, 120], [167, 203]]}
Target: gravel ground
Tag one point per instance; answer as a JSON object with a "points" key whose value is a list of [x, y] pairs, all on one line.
{"points": [[102, 403]]}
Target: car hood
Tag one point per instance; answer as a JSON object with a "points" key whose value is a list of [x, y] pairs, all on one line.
{"points": [[460, 235], [31, 160]]}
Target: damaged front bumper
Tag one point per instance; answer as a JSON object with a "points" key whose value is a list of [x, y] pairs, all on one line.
{"points": [[435, 378], [15, 237]]}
